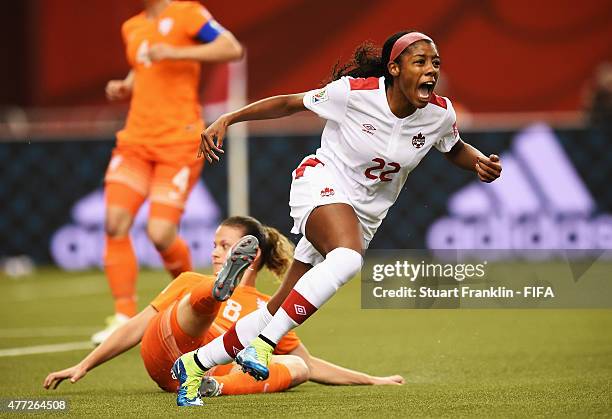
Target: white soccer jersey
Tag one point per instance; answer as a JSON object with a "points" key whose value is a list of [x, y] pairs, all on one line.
{"points": [[371, 151]]}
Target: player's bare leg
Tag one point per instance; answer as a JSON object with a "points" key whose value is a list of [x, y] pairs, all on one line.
{"points": [[173, 250], [333, 226], [335, 232], [161, 233]]}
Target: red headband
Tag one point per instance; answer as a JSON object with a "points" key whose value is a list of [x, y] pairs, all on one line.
{"points": [[405, 41]]}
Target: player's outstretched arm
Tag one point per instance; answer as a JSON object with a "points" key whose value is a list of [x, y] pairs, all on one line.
{"points": [[470, 158], [269, 108], [124, 338], [324, 372], [225, 47]]}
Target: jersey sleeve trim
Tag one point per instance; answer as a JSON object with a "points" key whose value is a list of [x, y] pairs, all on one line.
{"points": [[438, 100], [370, 83]]}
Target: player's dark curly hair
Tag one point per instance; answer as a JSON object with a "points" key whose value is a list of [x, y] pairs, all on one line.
{"points": [[369, 61], [276, 249]]}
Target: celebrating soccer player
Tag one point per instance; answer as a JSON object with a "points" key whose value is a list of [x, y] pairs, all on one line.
{"points": [[382, 119]]}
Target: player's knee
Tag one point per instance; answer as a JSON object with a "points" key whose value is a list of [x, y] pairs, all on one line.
{"points": [[298, 369], [344, 263], [161, 234], [118, 222]]}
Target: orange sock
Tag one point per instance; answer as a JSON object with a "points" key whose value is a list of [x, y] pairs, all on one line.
{"points": [[177, 257], [240, 383], [121, 269], [202, 301]]}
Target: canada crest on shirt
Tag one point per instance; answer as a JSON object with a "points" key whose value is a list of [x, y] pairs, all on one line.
{"points": [[320, 96], [418, 141]]}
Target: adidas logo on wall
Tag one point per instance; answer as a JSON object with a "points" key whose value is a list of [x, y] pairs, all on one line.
{"points": [[540, 202], [80, 244]]}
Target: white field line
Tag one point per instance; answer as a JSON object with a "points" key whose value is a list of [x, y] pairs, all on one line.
{"points": [[74, 288], [63, 294], [60, 288], [46, 349], [45, 332]]}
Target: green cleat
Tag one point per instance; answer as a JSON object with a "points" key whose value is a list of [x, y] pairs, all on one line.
{"points": [[189, 374]]}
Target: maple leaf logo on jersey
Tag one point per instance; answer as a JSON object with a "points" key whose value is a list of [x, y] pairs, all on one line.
{"points": [[320, 96], [369, 128], [455, 130], [418, 141], [327, 192]]}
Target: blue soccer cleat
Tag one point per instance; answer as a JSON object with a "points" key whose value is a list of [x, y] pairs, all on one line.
{"points": [[189, 375], [240, 256], [255, 358]]}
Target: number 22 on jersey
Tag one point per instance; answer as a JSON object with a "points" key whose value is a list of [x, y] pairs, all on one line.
{"points": [[384, 174]]}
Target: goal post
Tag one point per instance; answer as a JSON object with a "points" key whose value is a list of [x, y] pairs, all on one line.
{"points": [[237, 136]]}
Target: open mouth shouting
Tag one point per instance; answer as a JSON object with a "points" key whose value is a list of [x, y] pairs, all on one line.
{"points": [[425, 90]]}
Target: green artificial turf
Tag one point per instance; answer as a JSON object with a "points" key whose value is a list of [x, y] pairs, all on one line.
{"points": [[457, 363]]}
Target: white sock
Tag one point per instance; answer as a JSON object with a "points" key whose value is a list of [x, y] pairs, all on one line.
{"points": [[216, 352], [248, 327], [213, 353], [313, 289]]}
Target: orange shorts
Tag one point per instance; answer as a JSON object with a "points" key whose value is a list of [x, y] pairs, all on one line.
{"points": [[163, 342], [165, 173]]}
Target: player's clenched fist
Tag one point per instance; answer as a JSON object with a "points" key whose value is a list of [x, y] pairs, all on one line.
{"points": [[488, 168], [118, 90], [162, 51]]}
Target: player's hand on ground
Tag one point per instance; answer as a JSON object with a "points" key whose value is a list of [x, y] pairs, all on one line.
{"points": [[392, 380], [488, 168], [212, 140], [117, 90], [73, 373], [158, 52]]}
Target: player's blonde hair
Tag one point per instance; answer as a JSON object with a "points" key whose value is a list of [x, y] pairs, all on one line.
{"points": [[276, 249]]}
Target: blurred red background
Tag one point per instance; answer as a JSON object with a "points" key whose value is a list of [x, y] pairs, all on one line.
{"points": [[498, 55]]}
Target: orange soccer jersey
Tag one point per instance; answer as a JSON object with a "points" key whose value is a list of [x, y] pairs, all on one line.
{"points": [[165, 106]]}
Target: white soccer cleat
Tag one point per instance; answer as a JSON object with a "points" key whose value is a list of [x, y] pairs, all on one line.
{"points": [[112, 324], [239, 257]]}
